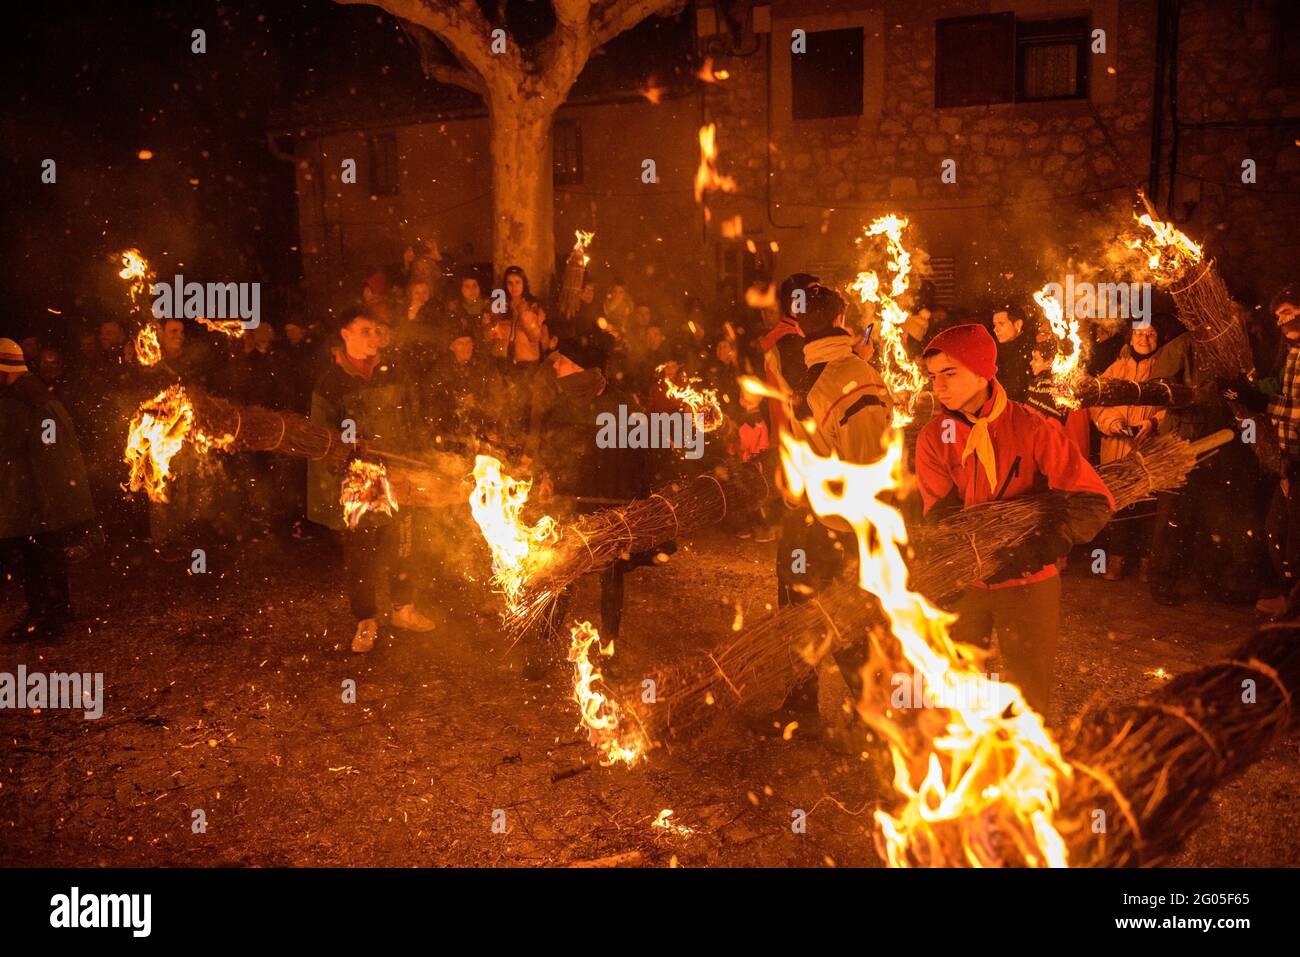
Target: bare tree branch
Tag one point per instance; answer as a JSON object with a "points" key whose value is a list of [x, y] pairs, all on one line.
{"points": [[617, 16], [461, 26], [439, 63], [572, 14]]}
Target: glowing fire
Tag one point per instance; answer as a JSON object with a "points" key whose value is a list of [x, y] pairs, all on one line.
{"points": [[707, 177], [601, 716], [227, 327], [1168, 250], [158, 431], [1065, 364], [903, 377], [582, 243], [147, 350], [496, 503], [710, 75], [978, 774], [135, 269], [160, 428], [703, 403], [365, 489]]}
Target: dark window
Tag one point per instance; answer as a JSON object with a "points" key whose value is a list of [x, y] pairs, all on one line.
{"points": [[1052, 59], [1288, 43], [974, 60], [997, 59], [566, 152], [383, 164], [826, 79]]}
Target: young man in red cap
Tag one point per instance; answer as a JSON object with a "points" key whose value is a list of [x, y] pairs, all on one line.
{"points": [[984, 447]]}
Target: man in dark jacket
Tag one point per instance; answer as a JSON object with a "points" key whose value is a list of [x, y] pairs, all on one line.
{"points": [[574, 465], [363, 395], [1015, 343], [43, 492]]}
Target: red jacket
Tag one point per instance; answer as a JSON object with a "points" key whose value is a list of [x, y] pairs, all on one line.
{"points": [[1032, 452]]}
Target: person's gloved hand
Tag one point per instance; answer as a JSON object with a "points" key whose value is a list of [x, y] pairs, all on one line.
{"points": [[1020, 561], [1240, 389]]}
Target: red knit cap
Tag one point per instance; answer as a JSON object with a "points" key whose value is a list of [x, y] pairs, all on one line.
{"points": [[971, 345]]}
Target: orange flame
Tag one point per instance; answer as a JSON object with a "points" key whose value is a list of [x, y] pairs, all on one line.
{"points": [[135, 269], [703, 403], [158, 431], [147, 350], [582, 241], [496, 503], [977, 775], [903, 377], [227, 327], [1065, 364], [710, 75], [365, 489], [601, 716], [1168, 250], [707, 178]]}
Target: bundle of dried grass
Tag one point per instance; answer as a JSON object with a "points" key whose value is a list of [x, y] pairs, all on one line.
{"points": [[1095, 393], [594, 541], [178, 416], [1150, 767], [761, 664], [1206, 309], [575, 271]]}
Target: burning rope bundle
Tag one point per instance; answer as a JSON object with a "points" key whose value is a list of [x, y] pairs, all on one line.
{"points": [[534, 565], [1091, 392], [764, 662], [575, 270], [1204, 306], [177, 416], [1150, 766]]}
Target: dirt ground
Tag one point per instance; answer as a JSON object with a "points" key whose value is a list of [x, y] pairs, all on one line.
{"points": [[223, 692]]}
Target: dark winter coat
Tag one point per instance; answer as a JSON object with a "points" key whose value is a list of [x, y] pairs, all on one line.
{"points": [[386, 412], [43, 486]]}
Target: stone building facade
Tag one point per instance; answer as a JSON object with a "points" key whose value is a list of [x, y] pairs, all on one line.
{"points": [[1031, 180]]}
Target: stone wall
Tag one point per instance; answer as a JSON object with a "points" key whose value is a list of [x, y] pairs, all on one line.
{"points": [[1033, 179]]}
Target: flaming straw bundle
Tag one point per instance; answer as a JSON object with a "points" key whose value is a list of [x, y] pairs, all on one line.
{"points": [[1204, 306], [902, 375], [575, 268], [1150, 767], [365, 489], [158, 432], [703, 403], [164, 424], [761, 664], [533, 565], [1091, 392]]}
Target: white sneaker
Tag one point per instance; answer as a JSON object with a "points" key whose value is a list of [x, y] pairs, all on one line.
{"points": [[408, 619], [367, 632]]}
